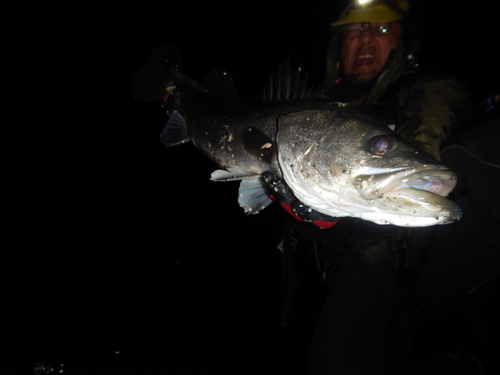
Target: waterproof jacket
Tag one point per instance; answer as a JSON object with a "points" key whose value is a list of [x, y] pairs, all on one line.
{"points": [[425, 106]]}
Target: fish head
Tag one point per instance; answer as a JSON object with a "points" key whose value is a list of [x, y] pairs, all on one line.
{"points": [[342, 163]]}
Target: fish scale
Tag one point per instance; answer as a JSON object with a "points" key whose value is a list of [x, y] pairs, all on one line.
{"points": [[336, 159]]}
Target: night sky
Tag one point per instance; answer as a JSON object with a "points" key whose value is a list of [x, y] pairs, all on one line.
{"points": [[251, 40], [158, 256]]}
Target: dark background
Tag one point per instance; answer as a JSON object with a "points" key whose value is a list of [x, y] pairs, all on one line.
{"points": [[250, 40], [142, 254]]}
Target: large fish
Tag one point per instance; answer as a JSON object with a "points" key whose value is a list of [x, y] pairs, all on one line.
{"points": [[336, 159]]}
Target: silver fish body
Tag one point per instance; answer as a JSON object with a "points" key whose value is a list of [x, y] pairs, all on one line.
{"points": [[336, 159], [331, 160]]}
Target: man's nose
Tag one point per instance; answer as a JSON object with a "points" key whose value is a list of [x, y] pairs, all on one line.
{"points": [[366, 35]]}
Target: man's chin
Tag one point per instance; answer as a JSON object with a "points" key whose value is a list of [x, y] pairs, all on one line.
{"points": [[361, 79]]}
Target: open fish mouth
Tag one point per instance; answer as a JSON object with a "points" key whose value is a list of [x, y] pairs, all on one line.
{"points": [[425, 184]]}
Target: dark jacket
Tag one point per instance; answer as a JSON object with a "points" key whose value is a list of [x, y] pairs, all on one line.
{"points": [[426, 106]]}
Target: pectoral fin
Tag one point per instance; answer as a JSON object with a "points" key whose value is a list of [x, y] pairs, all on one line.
{"points": [[251, 195]]}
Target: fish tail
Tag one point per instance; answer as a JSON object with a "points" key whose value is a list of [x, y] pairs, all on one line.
{"points": [[175, 132], [162, 72], [156, 81]]}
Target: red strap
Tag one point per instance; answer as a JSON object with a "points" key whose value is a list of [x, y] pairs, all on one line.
{"points": [[289, 210], [325, 224]]}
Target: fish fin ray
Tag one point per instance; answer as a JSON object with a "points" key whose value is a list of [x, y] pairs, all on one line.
{"points": [[285, 84], [252, 196], [175, 132], [231, 174], [258, 144]]}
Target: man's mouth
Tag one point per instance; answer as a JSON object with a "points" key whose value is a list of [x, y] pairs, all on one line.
{"points": [[366, 58]]}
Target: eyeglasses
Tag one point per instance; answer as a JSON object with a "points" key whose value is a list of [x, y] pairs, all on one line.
{"points": [[354, 30]]}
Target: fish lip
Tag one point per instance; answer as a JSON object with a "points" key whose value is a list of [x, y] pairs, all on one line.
{"points": [[425, 187], [433, 179]]}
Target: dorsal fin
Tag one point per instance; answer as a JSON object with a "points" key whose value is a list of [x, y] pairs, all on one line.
{"points": [[221, 83], [285, 84]]}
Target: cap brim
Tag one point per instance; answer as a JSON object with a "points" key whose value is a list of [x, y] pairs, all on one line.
{"points": [[376, 13]]}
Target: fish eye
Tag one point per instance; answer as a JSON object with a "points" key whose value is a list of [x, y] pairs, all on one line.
{"points": [[381, 145]]}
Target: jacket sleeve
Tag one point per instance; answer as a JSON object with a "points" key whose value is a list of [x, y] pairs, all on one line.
{"points": [[431, 109]]}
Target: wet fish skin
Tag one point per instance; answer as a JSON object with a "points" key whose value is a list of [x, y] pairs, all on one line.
{"points": [[336, 159]]}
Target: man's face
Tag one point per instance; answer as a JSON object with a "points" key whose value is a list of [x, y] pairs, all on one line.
{"points": [[364, 57]]}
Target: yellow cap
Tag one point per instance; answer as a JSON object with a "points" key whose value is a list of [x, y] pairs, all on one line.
{"points": [[373, 11]]}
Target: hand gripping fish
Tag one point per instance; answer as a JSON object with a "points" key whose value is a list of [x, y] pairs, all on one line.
{"points": [[334, 158]]}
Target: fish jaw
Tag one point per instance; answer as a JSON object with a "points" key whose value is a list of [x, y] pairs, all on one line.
{"points": [[423, 189], [373, 183], [396, 205]]}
